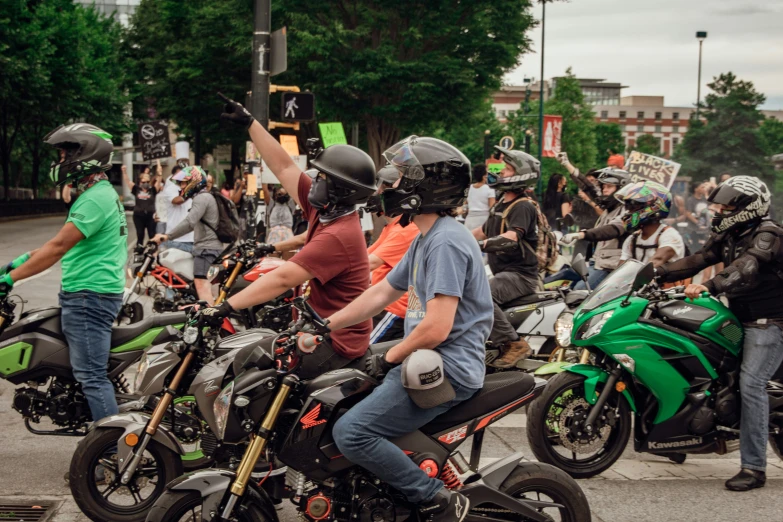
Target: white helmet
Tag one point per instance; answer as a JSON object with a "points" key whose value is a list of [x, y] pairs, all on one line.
{"points": [[750, 198]]}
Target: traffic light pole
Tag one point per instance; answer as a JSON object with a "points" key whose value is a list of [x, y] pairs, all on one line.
{"points": [[259, 107]]}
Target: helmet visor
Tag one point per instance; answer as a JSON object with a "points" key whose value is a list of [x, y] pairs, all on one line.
{"points": [[401, 156], [730, 197]]}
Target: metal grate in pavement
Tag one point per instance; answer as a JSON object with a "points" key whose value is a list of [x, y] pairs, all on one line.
{"points": [[24, 512]]}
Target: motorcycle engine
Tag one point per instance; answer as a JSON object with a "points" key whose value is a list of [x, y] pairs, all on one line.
{"points": [[371, 502], [64, 404], [727, 407]]}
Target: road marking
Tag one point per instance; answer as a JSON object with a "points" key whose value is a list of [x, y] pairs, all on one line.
{"points": [[33, 277]]}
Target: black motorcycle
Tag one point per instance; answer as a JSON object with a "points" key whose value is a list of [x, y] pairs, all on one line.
{"points": [[291, 420]]}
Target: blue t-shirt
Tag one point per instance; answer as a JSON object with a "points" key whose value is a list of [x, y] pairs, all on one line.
{"points": [[448, 261]]}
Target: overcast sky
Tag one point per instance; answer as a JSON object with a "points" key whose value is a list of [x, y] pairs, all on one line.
{"points": [[650, 45]]}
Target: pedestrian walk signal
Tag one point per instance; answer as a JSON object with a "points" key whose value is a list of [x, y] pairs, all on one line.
{"points": [[298, 106]]}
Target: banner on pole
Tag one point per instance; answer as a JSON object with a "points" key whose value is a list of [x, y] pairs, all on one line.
{"points": [[154, 140], [553, 129], [652, 168]]}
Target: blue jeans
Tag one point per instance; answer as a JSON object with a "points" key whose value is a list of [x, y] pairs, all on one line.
{"points": [[762, 353], [594, 277], [180, 245], [564, 274], [363, 434], [87, 319]]}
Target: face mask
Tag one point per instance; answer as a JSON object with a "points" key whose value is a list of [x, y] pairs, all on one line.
{"points": [[145, 186], [319, 194], [283, 198]]}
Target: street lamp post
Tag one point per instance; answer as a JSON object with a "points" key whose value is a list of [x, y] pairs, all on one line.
{"points": [[701, 35], [541, 95]]}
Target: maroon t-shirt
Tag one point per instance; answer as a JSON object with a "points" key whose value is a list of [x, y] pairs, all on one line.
{"points": [[336, 255]]}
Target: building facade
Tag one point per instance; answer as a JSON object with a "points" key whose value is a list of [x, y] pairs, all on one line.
{"points": [[123, 8]]}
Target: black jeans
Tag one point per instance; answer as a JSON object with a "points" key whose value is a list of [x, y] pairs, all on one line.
{"points": [[505, 287], [144, 221], [323, 359]]}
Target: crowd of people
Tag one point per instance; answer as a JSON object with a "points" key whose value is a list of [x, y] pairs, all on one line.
{"points": [[424, 278]]}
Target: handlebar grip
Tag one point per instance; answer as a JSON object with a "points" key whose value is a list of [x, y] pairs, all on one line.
{"points": [[308, 342]]}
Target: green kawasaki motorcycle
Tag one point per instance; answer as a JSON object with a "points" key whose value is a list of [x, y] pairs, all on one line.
{"points": [[670, 362]]}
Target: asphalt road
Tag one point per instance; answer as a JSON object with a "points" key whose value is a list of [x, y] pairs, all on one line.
{"points": [[639, 488]]}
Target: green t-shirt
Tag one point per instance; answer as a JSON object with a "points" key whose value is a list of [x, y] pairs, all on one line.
{"points": [[96, 262]]}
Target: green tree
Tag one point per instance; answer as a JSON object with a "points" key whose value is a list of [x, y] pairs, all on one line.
{"points": [[729, 139], [608, 136], [771, 132], [468, 136], [60, 63], [648, 144], [405, 66]]}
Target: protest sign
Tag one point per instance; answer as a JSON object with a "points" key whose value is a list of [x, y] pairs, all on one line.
{"points": [[332, 133], [553, 128], [652, 168], [154, 140], [494, 166], [290, 144]]}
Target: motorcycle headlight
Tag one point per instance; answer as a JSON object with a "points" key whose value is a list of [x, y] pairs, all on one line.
{"points": [[221, 410], [563, 327], [594, 325], [213, 273]]}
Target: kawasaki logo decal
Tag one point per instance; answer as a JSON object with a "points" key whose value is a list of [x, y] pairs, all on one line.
{"points": [[676, 444], [683, 310]]}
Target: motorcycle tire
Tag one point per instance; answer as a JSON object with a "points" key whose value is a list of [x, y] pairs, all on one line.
{"points": [[542, 482], [172, 506], [540, 436], [85, 490]]}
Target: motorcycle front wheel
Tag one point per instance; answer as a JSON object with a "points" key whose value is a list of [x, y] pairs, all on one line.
{"points": [[555, 434], [185, 506], [95, 481]]}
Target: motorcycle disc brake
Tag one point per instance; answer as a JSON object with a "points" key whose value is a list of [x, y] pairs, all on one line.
{"points": [[571, 436]]}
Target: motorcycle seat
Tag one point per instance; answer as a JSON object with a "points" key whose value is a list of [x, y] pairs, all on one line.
{"points": [[530, 299], [499, 390], [378, 348], [124, 333]]}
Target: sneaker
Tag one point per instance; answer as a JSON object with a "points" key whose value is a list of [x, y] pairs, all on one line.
{"points": [[446, 506], [514, 352], [746, 480]]}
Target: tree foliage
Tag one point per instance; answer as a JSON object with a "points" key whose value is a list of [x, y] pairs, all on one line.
{"points": [[771, 132], [59, 63], [648, 144], [729, 139], [608, 136], [402, 66]]}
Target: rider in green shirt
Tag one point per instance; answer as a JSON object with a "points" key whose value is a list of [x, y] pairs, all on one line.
{"points": [[93, 248]]}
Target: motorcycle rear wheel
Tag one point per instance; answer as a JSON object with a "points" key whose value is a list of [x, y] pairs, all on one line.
{"points": [[544, 435], [545, 483], [94, 500], [185, 506]]}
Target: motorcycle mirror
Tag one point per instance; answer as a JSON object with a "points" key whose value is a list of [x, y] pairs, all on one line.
{"points": [[580, 266], [644, 276], [568, 220]]}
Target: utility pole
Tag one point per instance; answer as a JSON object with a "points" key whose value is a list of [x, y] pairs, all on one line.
{"points": [[259, 101], [701, 35], [541, 96]]}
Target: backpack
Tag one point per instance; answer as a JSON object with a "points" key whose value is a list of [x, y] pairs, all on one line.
{"points": [[227, 229], [547, 252]]}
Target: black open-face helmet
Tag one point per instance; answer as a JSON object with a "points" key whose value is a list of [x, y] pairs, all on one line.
{"points": [[434, 176], [749, 197], [349, 172], [84, 149]]}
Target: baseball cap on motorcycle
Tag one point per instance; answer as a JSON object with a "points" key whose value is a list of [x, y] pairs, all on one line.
{"points": [[424, 378], [749, 197], [435, 177], [84, 149], [527, 170], [350, 172]]}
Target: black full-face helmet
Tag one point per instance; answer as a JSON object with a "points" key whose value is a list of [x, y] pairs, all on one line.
{"points": [[434, 177], [527, 170], [749, 198], [349, 176], [84, 149]]}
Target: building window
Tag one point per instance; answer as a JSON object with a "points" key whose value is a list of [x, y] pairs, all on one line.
{"points": [[502, 113], [640, 115], [675, 128], [511, 113], [675, 115], [657, 128], [604, 114], [622, 115], [640, 127], [658, 116]]}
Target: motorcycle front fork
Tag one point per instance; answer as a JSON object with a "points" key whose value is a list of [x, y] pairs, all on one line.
{"points": [[257, 445]]}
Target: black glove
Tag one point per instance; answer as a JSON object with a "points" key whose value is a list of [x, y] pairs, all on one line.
{"points": [[265, 248], [377, 366], [214, 315], [235, 112]]}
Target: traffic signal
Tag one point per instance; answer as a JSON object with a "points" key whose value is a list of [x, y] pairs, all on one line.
{"points": [[297, 106]]}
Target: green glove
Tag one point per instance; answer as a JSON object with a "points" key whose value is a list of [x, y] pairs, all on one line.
{"points": [[6, 284], [16, 263]]}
